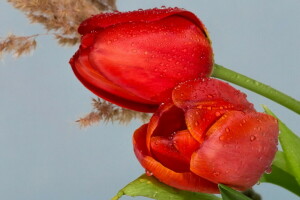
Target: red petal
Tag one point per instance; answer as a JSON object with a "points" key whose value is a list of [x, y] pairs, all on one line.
{"points": [[101, 21], [165, 121], [195, 93], [239, 148], [184, 181], [104, 88], [198, 121], [164, 151], [185, 144], [144, 59]]}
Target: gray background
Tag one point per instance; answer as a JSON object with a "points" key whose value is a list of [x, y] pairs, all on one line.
{"points": [[44, 154]]}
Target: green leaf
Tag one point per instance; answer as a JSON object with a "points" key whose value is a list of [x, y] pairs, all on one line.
{"points": [[150, 187], [281, 175], [281, 178], [290, 144], [231, 194]]}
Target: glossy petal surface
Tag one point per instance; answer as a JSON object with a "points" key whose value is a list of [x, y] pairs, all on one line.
{"points": [[211, 93], [104, 88], [131, 58], [240, 147], [126, 55]]}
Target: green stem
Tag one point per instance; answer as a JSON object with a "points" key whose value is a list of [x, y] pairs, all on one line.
{"points": [[255, 86]]}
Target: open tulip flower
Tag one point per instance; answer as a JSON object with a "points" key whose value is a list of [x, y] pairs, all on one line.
{"points": [[208, 134], [135, 59]]}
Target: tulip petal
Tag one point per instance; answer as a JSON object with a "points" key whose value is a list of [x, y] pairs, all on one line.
{"points": [[184, 181], [104, 88], [198, 121], [195, 93], [144, 59], [185, 144], [239, 148], [104, 20], [165, 121], [164, 151]]}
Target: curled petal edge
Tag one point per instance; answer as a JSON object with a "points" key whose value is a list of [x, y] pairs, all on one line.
{"points": [[185, 181], [99, 85]]}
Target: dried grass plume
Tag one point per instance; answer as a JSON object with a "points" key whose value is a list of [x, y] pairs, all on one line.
{"points": [[17, 45], [107, 112], [59, 17]]}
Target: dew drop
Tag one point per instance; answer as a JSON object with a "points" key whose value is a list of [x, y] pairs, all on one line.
{"points": [[196, 123], [209, 108], [227, 130], [210, 96], [146, 52], [142, 180], [216, 173], [218, 114], [252, 138], [222, 137], [148, 173], [268, 170]]}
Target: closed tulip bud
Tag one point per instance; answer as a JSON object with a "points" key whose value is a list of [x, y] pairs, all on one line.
{"points": [[135, 59]]}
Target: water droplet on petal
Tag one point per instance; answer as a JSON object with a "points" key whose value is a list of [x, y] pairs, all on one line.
{"points": [[218, 114], [148, 173], [252, 138], [196, 123], [210, 96], [227, 130], [216, 173], [222, 137]]}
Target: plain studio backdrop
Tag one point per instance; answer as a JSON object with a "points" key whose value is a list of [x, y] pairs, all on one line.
{"points": [[43, 152]]}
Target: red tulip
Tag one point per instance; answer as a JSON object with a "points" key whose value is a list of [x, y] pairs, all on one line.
{"points": [[135, 59], [208, 134]]}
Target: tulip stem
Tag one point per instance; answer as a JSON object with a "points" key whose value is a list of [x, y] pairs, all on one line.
{"points": [[257, 87]]}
